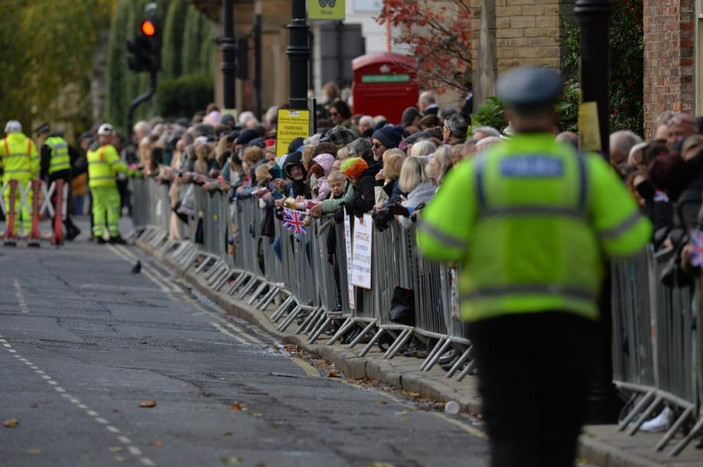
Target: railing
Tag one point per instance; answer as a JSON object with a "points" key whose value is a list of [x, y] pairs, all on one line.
{"points": [[655, 341]]}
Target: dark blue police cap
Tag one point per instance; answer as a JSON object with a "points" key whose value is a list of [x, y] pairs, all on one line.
{"points": [[529, 88]]}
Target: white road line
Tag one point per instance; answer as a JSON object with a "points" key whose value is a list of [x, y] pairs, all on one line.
{"points": [[249, 337], [20, 297], [135, 451], [145, 271], [226, 332]]}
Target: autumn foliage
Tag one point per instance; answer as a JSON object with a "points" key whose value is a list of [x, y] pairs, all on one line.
{"points": [[439, 36]]}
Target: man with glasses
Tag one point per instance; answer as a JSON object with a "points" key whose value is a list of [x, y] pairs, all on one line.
{"points": [[385, 138]]}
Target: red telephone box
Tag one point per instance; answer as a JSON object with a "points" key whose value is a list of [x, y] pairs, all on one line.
{"points": [[384, 84]]}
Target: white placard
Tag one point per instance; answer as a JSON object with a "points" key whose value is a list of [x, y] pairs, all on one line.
{"points": [[348, 244], [361, 247]]}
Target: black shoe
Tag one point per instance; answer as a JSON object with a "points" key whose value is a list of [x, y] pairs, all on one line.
{"points": [[446, 366], [72, 233], [100, 240], [118, 240], [447, 357]]}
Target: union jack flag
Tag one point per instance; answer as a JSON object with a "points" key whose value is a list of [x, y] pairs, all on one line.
{"points": [[294, 221], [697, 248]]}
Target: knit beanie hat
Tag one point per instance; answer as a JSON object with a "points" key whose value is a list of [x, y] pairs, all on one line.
{"points": [[247, 135], [389, 136]]}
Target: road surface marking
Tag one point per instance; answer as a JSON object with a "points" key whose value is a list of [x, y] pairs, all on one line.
{"points": [[244, 335], [153, 273], [145, 271], [253, 339], [467, 428], [307, 368], [20, 297], [226, 332], [135, 451]]}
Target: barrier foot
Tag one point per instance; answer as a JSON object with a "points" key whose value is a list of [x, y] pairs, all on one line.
{"points": [[469, 368], [259, 290], [465, 356], [361, 335], [402, 339], [340, 332], [372, 342], [290, 318], [268, 298], [684, 442], [436, 352], [311, 321], [282, 309], [320, 330], [674, 428], [645, 415], [633, 413]]}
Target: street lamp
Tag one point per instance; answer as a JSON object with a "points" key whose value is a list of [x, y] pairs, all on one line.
{"points": [[298, 55], [593, 17]]}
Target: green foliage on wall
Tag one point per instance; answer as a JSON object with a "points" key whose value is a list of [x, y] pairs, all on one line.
{"points": [[183, 96]]}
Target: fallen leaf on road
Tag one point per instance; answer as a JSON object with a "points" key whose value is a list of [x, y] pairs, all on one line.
{"points": [[380, 464], [156, 444], [258, 414], [231, 460], [11, 422], [120, 458], [33, 451], [116, 449], [147, 404], [333, 374], [229, 433], [34, 406], [380, 402], [144, 342], [236, 406]]}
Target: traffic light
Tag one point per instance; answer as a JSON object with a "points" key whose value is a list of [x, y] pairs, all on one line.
{"points": [[145, 48]]}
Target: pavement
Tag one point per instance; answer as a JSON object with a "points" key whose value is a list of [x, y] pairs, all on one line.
{"points": [[600, 445]]}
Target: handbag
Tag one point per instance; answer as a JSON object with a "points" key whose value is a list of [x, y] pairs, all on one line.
{"points": [[403, 306]]}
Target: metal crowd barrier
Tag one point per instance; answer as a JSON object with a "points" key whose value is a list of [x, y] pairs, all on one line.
{"points": [[303, 286], [655, 345]]}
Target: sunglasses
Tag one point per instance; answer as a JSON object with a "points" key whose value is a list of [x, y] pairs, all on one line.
{"points": [[334, 114], [377, 145]]}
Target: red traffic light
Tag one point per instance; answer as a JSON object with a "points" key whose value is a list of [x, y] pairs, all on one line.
{"points": [[148, 28]]}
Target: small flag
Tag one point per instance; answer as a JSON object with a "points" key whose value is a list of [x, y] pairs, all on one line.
{"points": [[697, 248], [294, 221]]}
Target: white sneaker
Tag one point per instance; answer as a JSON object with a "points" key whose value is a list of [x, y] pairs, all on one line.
{"points": [[659, 423]]}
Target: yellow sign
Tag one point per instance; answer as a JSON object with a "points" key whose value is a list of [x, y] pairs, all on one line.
{"points": [[327, 9], [291, 124], [589, 129]]}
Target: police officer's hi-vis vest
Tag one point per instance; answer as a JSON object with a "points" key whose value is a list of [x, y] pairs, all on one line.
{"points": [[60, 159], [530, 221]]}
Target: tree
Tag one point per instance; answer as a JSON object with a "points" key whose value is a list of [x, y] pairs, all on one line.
{"points": [[173, 39], [439, 36]]}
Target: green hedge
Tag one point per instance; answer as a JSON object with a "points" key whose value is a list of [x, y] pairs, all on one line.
{"points": [[185, 95]]}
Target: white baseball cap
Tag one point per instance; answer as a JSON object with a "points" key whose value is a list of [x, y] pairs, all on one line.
{"points": [[105, 129]]}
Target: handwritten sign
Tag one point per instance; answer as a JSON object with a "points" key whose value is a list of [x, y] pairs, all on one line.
{"points": [[361, 270]]}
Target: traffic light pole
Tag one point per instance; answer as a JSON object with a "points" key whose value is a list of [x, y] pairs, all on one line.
{"points": [[139, 100]]}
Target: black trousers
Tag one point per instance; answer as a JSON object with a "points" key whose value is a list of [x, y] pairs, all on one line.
{"points": [[534, 372]]}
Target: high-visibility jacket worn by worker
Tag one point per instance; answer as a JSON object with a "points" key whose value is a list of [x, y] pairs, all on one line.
{"points": [[20, 161], [60, 158], [529, 221], [103, 165]]}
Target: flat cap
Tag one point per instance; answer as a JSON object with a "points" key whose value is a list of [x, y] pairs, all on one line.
{"points": [[529, 88], [42, 128]]}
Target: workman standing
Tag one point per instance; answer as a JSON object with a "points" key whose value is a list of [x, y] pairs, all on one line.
{"points": [[104, 164], [57, 159], [532, 223], [19, 160]]}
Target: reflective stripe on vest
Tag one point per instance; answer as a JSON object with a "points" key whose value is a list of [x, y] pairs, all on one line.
{"points": [[532, 289], [60, 159], [17, 166]]}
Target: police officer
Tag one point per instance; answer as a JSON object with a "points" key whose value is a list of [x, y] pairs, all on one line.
{"points": [[57, 159], [104, 164], [532, 223], [19, 160]]}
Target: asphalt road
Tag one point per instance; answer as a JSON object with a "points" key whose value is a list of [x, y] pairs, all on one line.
{"points": [[84, 343]]}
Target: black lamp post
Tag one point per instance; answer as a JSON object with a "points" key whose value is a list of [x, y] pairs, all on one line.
{"points": [[594, 18], [228, 48], [298, 55]]}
